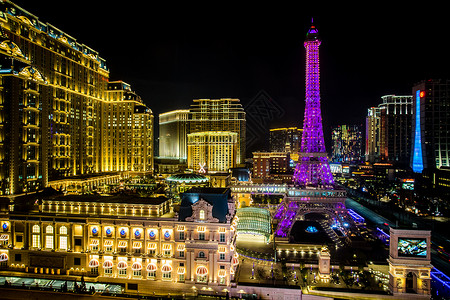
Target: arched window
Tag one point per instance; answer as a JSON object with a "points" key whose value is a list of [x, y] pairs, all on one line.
{"points": [[201, 254], [63, 230], [49, 229], [202, 215], [36, 229]]}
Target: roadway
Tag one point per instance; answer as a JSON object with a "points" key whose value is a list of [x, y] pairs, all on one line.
{"points": [[377, 220]]}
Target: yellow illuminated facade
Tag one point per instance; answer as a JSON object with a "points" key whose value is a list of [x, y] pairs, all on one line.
{"points": [[59, 114], [212, 151], [223, 114], [122, 239]]}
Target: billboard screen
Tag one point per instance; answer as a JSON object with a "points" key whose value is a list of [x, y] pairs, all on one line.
{"points": [[408, 247]]}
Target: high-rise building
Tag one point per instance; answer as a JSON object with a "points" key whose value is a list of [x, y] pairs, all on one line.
{"points": [[279, 137], [431, 125], [220, 115], [312, 167], [212, 151], [173, 130], [388, 130], [373, 134], [346, 143], [267, 163], [60, 116]]}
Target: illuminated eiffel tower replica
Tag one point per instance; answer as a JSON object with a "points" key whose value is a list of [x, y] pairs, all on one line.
{"points": [[314, 189]]}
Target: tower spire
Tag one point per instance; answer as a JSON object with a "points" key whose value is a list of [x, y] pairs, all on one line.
{"points": [[312, 168]]}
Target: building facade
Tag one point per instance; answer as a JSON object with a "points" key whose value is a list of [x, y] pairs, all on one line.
{"points": [[212, 151], [347, 143], [388, 130], [220, 115], [431, 125], [126, 239], [269, 163], [54, 98], [173, 130]]}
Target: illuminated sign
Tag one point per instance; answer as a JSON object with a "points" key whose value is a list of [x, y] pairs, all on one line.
{"points": [[408, 247]]}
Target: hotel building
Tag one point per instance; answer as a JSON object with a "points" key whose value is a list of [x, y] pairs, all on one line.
{"points": [[126, 239], [59, 114], [173, 130], [212, 151], [388, 130], [220, 115]]}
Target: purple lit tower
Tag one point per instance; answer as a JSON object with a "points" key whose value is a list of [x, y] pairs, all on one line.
{"points": [[313, 168], [314, 190]]}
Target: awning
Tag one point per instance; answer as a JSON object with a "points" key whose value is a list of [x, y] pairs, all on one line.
{"points": [[108, 243], [222, 249], [122, 244], [222, 273], [4, 237], [137, 245], [136, 266], [222, 229], [181, 247], [94, 242], [93, 263], [166, 268], [3, 257], [122, 265], [151, 267], [181, 271], [201, 228], [201, 270], [107, 264], [151, 246], [167, 246], [235, 261]]}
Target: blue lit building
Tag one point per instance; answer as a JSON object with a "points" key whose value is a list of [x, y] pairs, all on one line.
{"points": [[431, 125]]}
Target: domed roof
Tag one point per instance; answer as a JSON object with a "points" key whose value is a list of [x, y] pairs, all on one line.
{"points": [[187, 178]]}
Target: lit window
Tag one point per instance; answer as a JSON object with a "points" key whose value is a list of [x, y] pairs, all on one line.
{"points": [[36, 229], [63, 230], [202, 214], [63, 242], [49, 241], [36, 241]]}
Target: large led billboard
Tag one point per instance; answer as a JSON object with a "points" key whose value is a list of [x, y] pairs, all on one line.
{"points": [[412, 247]]}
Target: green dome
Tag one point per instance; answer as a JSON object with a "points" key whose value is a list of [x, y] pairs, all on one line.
{"points": [[187, 178]]}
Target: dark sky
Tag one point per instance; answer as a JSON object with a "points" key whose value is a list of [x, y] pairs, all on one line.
{"points": [[171, 54]]}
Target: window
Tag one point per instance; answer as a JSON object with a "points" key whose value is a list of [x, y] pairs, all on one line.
{"points": [[181, 235], [122, 272], [49, 229], [17, 257], [36, 241], [108, 271], [201, 254], [222, 256], [201, 236], [222, 237], [152, 274], [137, 273], [181, 254], [180, 277], [94, 271], [63, 242], [36, 229], [63, 230], [202, 214], [77, 261], [167, 275]]}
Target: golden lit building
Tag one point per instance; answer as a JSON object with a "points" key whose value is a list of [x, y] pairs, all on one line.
{"points": [[212, 151], [220, 115], [59, 113], [132, 240]]}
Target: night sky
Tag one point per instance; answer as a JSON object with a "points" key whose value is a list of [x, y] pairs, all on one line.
{"points": [[171, 54]]}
